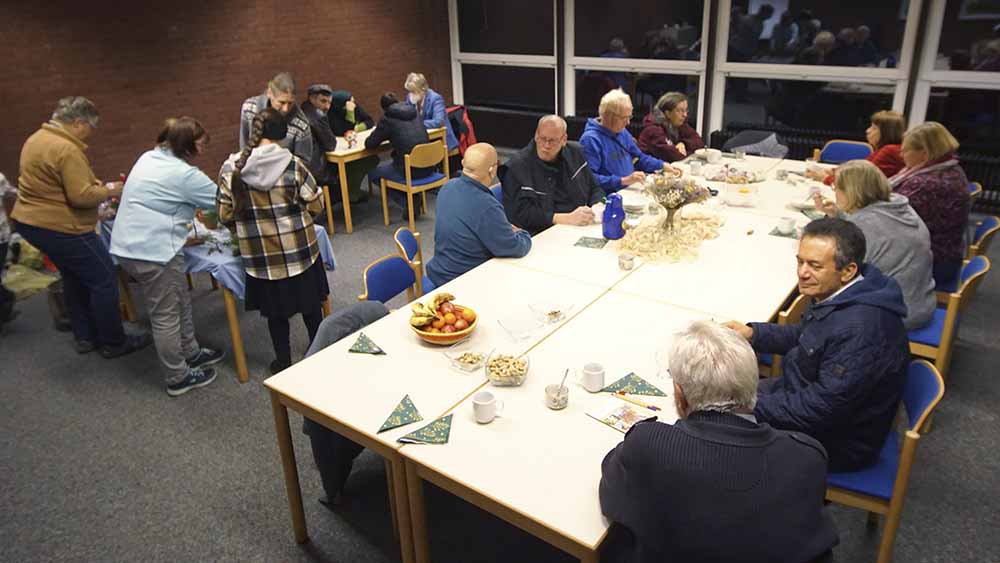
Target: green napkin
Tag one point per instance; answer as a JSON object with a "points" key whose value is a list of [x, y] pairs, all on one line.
{"points": [[364, 345], [591, 242], [436, 432], [813, 214], [634, 385], [404, 413], [777, 233]]}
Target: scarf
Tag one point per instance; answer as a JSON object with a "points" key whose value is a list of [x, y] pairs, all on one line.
{"points": [[905, 174]]}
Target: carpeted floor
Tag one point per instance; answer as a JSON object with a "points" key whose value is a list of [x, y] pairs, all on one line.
{"points": [[99, 464]]}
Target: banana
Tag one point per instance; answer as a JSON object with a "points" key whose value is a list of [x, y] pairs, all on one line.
{"points": [[421, 320], [440, 299]]}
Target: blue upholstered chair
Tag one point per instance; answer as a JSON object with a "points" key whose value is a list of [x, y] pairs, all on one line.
{"points": [[982, 236], [426, 155], [935, 340], [386, 278], [408, 243], [839, 151], [770, 364], [975, 190], [881, 489]]}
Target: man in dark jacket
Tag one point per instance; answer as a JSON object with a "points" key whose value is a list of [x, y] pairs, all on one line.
{"points": [[399, 125], [548, 182], [717, 485], [315, 109], [844, 364]]}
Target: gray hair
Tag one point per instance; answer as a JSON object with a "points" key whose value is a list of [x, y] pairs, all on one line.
{"points": [[553, 119], [415, 82], [615, 100], [282, 82], [72, 108], [715, 368]]}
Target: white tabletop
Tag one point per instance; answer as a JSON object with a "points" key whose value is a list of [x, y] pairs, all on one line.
{"points": [[546, 464]]}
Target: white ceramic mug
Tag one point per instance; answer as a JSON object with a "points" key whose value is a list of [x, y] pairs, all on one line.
{"points": [[786, 225], [591, 377], [486, 407]]}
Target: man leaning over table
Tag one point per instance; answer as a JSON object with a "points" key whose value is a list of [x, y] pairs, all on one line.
{"points": [[610, 148], [471, 226], [671, 490], [315, 110], [844, 364], [548, 182], [280, 95]]}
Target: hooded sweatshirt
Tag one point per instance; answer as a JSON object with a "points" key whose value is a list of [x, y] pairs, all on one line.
{"points": [[610, 155], [404, 131], [900, 246], [844, 366]]}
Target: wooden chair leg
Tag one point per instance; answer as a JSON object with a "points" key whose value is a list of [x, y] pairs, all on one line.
{"points": [[126, 303], [409, 205], [385, 202], [215, 282], [423, 201], [329, 210], [326, 306]]}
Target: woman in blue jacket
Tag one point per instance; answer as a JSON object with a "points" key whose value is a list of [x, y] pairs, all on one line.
{"points": [[430, 106]]}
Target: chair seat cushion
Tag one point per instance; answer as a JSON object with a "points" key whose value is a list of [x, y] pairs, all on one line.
{"points": [[930, 335], [765, 359], [876, 481], [434, 177], [950, 287]]}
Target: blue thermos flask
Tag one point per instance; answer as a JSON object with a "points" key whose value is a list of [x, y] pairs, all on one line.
{"points": [[614, 216]]}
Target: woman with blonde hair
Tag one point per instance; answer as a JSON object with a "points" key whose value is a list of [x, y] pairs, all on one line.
{"points": [[898, 243], [430, 106], [885, 135], [938, 190]]}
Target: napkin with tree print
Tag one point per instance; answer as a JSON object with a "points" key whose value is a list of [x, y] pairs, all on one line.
{"points": [[436, 432], [632, 384], [364, 345], [404, 413]]}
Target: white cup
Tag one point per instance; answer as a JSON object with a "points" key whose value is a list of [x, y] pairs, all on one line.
{"points": [[786, 225], [486, 407], [695, 168], [591, 377]]}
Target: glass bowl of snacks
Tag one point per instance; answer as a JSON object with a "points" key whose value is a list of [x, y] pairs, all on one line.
{"points": [[465, 357], [506, 370]]}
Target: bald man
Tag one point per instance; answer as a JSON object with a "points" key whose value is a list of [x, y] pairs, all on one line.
{"points": [[548, 182], [471, 226]]}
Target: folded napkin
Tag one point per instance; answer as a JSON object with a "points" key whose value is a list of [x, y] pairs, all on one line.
{"points": [[364, 345], [632, 384], [404, 413], [436, 432], [775, 232]]}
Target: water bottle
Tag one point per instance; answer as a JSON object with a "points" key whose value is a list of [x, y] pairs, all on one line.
{"points": [[614, 216]]}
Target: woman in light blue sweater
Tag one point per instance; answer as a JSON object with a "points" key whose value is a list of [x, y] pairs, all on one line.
{"points": [[158, 202]]}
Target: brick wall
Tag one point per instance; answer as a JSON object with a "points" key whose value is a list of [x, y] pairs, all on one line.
{"points": [[142, 62]]}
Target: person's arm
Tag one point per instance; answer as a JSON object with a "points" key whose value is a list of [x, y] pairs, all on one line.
{"points": [[201, 190], [324, 135], [246, 122], [83, 189], [619, 484], [524, 205], [772, 338], [379, 135], [595, 159], [644, 162], [691, 139], [499, 236], [656, 143], [888, 160], [438, 113], [362, 121], [224, 199], [303, 143]]}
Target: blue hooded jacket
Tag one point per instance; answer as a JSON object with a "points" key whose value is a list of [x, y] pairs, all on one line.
{"points": [[843, 369], [610, 155]]}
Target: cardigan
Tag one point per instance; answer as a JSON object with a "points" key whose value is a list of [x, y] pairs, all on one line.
{"points": [[941, 198]]}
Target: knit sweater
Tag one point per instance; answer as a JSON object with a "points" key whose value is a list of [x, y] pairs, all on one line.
{"points": [[716, 487], [656, 140], [941, 198]]}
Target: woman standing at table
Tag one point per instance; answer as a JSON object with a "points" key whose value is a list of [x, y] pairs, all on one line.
{"points": [[885, 135], [161, 194], [430, 106], [938, 191], [665, 131], [347, 119], [268, 195]]}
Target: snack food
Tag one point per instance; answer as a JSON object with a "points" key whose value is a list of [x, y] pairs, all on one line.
{"points": [[506, 370]]}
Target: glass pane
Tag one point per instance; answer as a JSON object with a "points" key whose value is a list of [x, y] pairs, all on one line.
{"points": [[639, 29], [817, 32], [970, 39], [973, 116], [512, 27], [506, 87], [644, 89], [844, 107]]}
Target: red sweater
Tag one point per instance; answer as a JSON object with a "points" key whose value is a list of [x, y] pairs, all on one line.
{"points": [[889, 160], [654, 140]]}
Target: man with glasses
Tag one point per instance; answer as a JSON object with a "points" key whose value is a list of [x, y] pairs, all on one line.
{"points": [[548, 182], [610, 149]]}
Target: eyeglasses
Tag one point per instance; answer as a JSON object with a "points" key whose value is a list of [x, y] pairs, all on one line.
{"points": [[547, 140]]}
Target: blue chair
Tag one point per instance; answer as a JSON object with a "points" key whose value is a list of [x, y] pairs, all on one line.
{"points": [[982, 236], [881, 489], [770, 364], [386, 278], [935, 340], [427, 155], [975, 190], [839, 151], [408, 244], [498, 192]]}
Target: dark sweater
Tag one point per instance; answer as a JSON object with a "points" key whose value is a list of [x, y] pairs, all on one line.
{"points": [[716, 487], [404, 131], [340, 124], [656, 140]]}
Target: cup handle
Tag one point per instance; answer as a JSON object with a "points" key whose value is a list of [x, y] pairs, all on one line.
{"points": [[499, 405]]}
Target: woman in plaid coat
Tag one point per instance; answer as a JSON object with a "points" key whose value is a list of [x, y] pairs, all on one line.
{"points": [[268, 195]]}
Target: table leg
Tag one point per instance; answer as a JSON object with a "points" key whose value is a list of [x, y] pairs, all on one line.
{"points": [[329, 211], [345, 195], [392, 499], [291, 471], [234, 334], [591, 557], [326, 306], [418, 513], [402, 508]]}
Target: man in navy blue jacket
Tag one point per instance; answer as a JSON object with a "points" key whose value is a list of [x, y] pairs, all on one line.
{"points": [[471, 225], [844, 365], [610, 148]]}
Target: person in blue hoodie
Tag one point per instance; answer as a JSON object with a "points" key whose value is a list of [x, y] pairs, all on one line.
{"points": [[471, 225], [610, 148], [845, 363]]}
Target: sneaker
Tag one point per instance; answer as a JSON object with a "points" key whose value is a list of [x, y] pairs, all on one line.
{"points": [[205, 357], [84, 346], [195, 378], [132, 343]]}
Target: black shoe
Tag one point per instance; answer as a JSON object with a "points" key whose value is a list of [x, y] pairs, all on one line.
{"points": [[132, 343], [278, 365], [205, 357], [84, 346], [62, 324], [195, 378], [334, 503]]}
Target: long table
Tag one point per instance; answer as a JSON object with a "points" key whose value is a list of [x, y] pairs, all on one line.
{"points": [[535, 468]]}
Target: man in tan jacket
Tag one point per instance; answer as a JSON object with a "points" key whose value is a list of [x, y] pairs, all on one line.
{"points": [[56, 211]]}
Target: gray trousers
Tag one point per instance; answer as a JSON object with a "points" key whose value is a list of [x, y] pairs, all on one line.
{"points": [[169, 305]]}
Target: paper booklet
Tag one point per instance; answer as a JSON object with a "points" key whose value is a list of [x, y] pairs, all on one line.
{"points": [[619, 415]]}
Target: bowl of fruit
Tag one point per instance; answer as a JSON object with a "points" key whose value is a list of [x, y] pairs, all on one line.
{"points": [[441, 321]]}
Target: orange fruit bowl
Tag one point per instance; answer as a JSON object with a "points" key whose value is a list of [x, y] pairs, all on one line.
{"points": [[447, 338]]}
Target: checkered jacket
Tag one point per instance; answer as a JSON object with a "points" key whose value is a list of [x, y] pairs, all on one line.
{"points": [[277, 240]]}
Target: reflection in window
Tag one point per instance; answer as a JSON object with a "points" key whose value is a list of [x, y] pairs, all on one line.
{"points": [[969, 41], [504, 87], [644, 89], [513, 27], [639, 29], [805, 105], [973, 116], [846, 33]]}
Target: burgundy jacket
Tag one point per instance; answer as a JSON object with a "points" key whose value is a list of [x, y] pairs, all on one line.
{"points": [[654, 140], [941, 198]]}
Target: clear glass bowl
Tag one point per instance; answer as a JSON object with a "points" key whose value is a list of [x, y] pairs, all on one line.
{"points": [[513, 376]]}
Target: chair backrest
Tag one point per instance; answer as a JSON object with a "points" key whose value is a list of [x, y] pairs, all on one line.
{"points": [[497, 191], [971, 276], [975, 190], [922, 391], [793, 313], [408, 243], [983, 235], [386, 278], [839, 151], [427, 154], [436, 133]]}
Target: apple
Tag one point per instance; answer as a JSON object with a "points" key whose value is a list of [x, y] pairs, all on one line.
{"points": [[461, 324], [447, 307], [448, 329]]}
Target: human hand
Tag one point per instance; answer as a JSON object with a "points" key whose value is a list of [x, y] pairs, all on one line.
{"points": [[742, 329], [825, 206], [671, 170], [350, 134], [817, 174], [681, 148], [579, 217], [515, 228], [114, 189], [635, 177]]}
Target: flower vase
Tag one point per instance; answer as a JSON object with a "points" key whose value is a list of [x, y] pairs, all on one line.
{"points": [[668, 224]]}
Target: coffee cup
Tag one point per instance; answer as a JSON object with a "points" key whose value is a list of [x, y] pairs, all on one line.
{"points": [[786, 225], [556, 396], [486, 407], [591, 377], [695, 168]]}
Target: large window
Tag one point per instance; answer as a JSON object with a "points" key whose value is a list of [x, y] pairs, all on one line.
{"points": [[514, 88], [969, 39], [644, 88], [516, 27], [639, 29]]}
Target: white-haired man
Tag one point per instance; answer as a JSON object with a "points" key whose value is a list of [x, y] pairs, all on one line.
{"points": [[674, 492], [548, 181], [280, 95], [610, 148]]}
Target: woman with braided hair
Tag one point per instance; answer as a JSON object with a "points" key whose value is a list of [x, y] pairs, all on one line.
{"points": [[269, 197]]}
